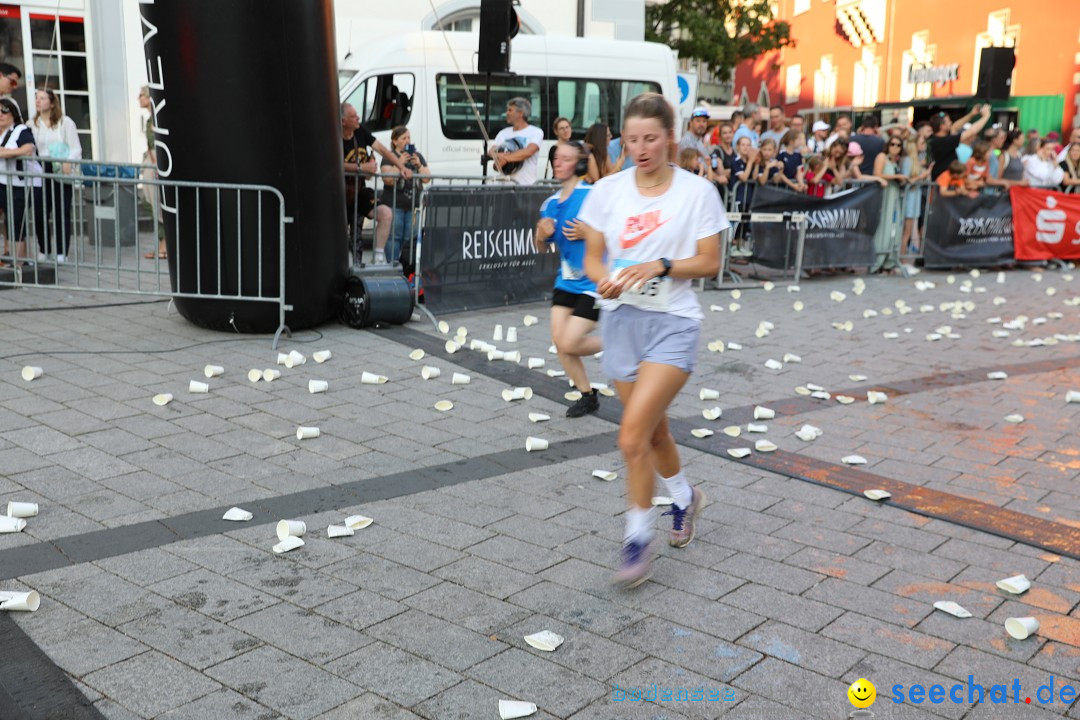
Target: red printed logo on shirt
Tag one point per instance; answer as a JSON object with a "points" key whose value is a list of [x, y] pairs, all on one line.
{"points": [[639, 227]]}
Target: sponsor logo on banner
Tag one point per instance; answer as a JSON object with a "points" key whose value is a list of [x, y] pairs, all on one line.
{"points": [[1047, 224], [1050, 223], [969, 232]]}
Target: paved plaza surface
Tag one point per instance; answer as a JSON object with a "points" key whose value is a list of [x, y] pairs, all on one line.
{"points": [[795, 586]]}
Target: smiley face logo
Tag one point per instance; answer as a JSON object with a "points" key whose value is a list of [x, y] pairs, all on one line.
{"points": [[862, 693]]}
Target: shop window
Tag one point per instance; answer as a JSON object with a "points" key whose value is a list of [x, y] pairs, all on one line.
{"points": [[793, 84]]}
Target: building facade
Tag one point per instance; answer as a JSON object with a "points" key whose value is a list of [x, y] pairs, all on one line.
{"points": [[904, 57]]}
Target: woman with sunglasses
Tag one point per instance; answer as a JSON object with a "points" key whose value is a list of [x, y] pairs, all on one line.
{"points": [[887, 169], [16, 141], [56, 137]]}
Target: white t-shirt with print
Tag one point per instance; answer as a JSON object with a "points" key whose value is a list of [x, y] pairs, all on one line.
{"points": [[530, 135], [638, 228]]}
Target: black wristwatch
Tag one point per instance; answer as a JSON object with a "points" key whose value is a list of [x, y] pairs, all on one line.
{"points": [[667, 267]]}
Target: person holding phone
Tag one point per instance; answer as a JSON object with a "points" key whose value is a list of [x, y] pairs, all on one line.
{"points": [[401, 194]]}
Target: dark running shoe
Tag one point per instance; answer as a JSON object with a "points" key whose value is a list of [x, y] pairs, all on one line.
{"points": [[588, 404]]}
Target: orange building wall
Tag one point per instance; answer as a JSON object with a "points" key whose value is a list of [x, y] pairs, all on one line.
{"points": [[1046, 50]]}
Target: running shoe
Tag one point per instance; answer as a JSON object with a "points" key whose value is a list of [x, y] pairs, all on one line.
{"points": [[682, 521], [636, 565], [588, 404]]}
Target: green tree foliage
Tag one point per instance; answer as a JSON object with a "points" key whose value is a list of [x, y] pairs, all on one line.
{"points": [[720, 33]]}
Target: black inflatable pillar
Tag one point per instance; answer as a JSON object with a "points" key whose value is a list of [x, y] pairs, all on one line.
{"points": [[245, 92]]}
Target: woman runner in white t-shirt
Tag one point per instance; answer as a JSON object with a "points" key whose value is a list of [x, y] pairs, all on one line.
{"points": [[649, 232]]}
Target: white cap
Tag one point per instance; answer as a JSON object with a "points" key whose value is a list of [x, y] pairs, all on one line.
{"points": [[820, 125]]}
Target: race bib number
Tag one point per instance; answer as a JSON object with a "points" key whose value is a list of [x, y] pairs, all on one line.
{"points": [[652, 294], [569, 273]]}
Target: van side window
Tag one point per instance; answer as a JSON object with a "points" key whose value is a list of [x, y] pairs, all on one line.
{"points": [[587, 101], [384, 101], [456, 114]]}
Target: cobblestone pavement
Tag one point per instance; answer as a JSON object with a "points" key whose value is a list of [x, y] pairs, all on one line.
{"points": [[794, 587]]}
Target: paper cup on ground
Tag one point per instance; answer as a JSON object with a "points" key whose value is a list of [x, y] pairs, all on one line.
{"points": [[1014, 418], [289, 543], [535, 443], [701, 433], [954, 609], [529, 320], [605, 475], [497, 336], [317, 386], [662, 500], [339, 531], [853, 460], [877, 494], [31, 373], [295, 358], [237, 515], [306, 433], [271, 374], [22, 509], [511, 334], [556, 373], [572, 396], [1021, 628], [764, 445], [509, 709], [213, 371], [709, 394], [198, 387], [1017, 584], [462, 331], [495, 354], [163, 399], [535, 362], [429, 372], [764, 413], [11, 525], [712, 413], [416, 354], [282, 357], [291, 528], [452, 346], [733, 431], [757, 428], [459, 379], [368, 378], [254, 375], [513, 356], [358, 522], [1073, 396], [444, 406], [20, 601], [321, 356], [774, 364], [544, 640], [538, 417], [739, 453]]}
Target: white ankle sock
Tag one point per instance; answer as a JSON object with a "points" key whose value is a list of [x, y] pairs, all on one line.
{"points": [[639, 524], [679, 489], [380, 256]]}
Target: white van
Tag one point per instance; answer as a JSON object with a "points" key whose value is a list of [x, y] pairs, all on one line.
{"points": [[411, 80]]}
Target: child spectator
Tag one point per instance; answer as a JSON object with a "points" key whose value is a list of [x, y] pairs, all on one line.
{"points": [[770, 168], [745, 168], [977, 168], [818, 178], [951, 183], [690, 161], [792, 161]]}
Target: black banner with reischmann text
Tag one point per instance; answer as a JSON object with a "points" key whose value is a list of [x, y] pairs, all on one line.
{"points": [[476, 248], [969, 232]]}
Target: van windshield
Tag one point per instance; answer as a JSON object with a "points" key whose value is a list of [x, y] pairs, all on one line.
{"points": [[343, 78]]}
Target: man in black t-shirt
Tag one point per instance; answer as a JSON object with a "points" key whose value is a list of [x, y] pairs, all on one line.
{"points": [[360, 199], [943, 143], [871, 143]]}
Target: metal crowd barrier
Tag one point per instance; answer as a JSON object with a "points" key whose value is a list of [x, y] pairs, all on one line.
{"points": [[110, 224]]}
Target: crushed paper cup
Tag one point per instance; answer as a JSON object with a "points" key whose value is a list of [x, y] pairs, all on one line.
{"points": [[22, 509], [733, 431], [1019, 628], [1050, 292], [798, 305], [837, 296], [254, 375], [802, 390], [890, 335], [931, 337], [793, 288], [774, 364], [552, 350], [874, 397], [357, 522], [513, 356], [368, 378], [213, 371], [820, 395], [198, 387], [736, 294], [739, 453], [607, 392], [712, 413], [417, 354], [1014, 418], [708, 394], [237, 515], [809, 432], [20, 601], [1072, 396], [845, 399], [605, 475], [662, 500], [529, 320], [306, 433], [321, 356], [701, 432], [716, 346], [444, 327], [812, 387], [535, 363], [853, 460], [734, 346], [460, 379], [1017, 584], [282, 357], [509, 709], [877, 494], [761, 332], [511, 334], [538, 417], [757, 428], [518, 393], [11, 525], [764, 445], [763, 413], [336, 531], [734, 307], [444, 406], [792, 358], [31, 372], [163, 399], [289, 543], [271, 374], [846, 326], [452, 346], [716, 308], [317, 386], [295, 358], [997, 375], [857, 378], [429, 372], [545, 640], [291, 528], [534, 443], [573, 396], [768, 286], [954, 609]]}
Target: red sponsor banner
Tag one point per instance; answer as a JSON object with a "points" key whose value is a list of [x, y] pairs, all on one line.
{"points": [[61, 18], [1046, 224], [10, 11]]}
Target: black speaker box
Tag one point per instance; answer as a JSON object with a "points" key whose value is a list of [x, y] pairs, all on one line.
{"points": [[498, 24], [995, 73]]}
